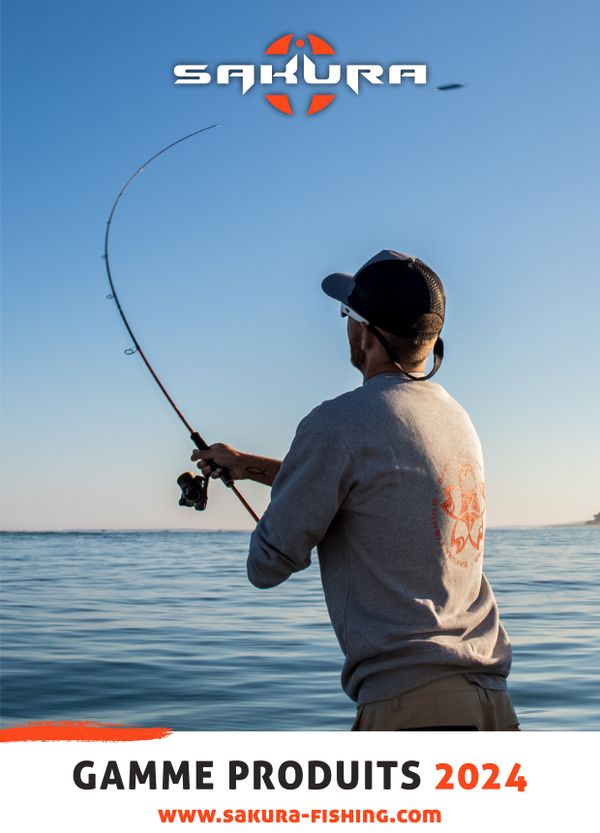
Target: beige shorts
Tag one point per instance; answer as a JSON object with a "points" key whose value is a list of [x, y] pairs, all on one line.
{"points": [[452, 703]]}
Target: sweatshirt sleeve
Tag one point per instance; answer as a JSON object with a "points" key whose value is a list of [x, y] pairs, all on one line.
{"points": [[306, 495]]}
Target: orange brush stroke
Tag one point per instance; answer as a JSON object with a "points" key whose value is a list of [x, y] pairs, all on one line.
{"points": [[80, 730]]}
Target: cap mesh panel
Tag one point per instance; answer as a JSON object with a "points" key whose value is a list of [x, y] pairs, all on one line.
{"points": [[434, 284]]}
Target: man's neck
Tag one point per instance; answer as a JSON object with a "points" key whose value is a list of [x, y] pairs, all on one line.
{"points": [[379, 368]]}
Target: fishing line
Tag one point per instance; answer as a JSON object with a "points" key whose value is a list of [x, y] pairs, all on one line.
{"points": [[200, 444]]}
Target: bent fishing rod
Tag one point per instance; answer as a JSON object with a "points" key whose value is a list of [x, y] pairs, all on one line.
{"points": [[194, 489]]}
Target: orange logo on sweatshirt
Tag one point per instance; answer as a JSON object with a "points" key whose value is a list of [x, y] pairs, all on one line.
{"points": [[459, 518]]}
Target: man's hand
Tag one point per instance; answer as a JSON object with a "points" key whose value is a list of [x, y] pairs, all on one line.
{"points": [[240, 466]]}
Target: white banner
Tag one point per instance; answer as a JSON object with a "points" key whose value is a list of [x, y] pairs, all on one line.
{"points": [[304, 781]]}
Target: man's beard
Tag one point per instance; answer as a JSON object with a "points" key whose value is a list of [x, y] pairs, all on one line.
{"points": [[357, 355]]}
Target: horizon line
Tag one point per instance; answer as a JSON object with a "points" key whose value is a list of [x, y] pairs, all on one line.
{"points": [[67, 530]]}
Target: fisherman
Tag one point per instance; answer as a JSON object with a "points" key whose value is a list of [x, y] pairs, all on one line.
{"points": [[387, 482]]}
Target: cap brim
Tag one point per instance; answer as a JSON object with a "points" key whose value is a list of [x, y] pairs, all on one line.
{"points": [[338, 286]]}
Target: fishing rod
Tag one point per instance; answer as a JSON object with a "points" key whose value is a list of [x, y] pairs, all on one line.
{"points": [[194, 488]]}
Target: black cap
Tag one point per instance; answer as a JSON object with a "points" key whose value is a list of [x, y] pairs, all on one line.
{"points": [[394, 291]]}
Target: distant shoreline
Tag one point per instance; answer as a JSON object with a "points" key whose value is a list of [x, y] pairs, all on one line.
{"points": [[578, 523]]}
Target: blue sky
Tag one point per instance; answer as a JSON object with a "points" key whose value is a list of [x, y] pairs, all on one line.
{"points": [[218, 248]]}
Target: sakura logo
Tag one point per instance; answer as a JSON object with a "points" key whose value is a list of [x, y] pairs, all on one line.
{"points": [[459, 518], [294, 71]]}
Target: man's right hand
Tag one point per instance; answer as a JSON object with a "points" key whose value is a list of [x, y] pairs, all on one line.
{"points": [[241, 466]]}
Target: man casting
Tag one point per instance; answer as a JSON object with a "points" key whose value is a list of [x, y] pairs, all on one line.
{"points": [[387, 483]]}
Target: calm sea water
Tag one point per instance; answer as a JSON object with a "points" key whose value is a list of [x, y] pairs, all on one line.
{"points": [[162, 628]]}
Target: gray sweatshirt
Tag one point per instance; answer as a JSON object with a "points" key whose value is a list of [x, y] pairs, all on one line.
{"points": [[387, 482]]}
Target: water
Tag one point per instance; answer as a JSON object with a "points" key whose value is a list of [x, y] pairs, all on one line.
{"points": [[163, 629]]}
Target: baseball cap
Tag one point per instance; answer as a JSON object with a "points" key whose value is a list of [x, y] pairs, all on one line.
{"points": [[394, 291], [397, 293]]}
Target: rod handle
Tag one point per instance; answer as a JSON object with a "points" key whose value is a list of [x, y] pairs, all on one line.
{"points": [[201, 445]]}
